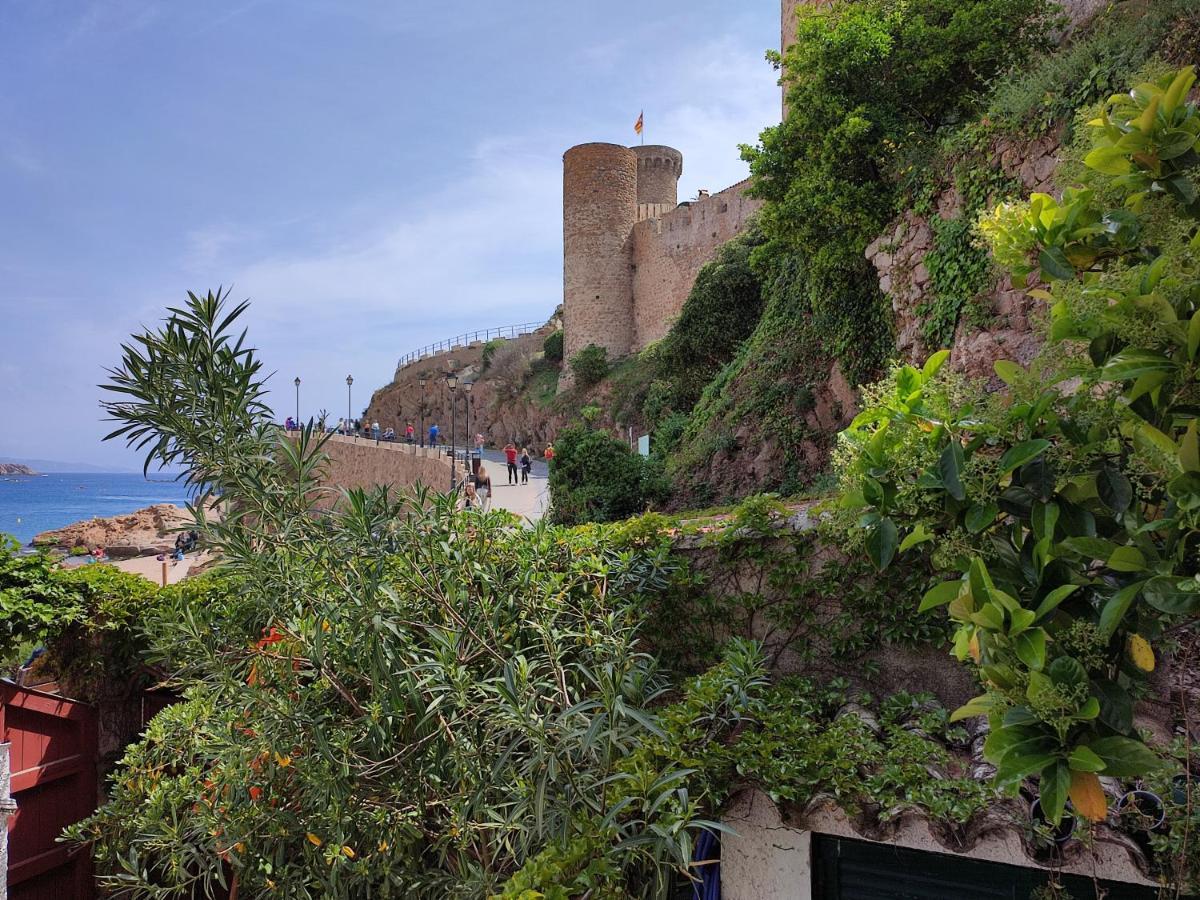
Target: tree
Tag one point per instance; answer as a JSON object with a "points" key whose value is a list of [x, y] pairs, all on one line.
{"points": [[597, 478]]}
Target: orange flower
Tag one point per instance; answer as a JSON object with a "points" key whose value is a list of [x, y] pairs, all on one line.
{"points": [[255, 793]]}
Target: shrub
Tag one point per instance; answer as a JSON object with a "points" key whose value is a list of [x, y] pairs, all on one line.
{"points": [[553, 346], [590, 365], [596, 478], [398, 698], [489, 350]]}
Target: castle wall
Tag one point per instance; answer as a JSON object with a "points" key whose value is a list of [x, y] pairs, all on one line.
{"points": [[669, 251], [659, 169], [600, 206]]}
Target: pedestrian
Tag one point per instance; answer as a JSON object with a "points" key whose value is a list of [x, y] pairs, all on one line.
{"points": [[549, 454], [470, 497], [375, 431], [409, 433], [526, 465], [510, 457], [479, 442], [483, 488], [433, 435], [341, 426]]}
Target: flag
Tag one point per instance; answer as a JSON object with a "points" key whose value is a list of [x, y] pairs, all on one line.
{"points": [[637, 126]]}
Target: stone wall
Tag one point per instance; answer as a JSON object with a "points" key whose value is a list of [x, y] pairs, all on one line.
{"points": [[361, 463], [668, 252], [899, 257]]}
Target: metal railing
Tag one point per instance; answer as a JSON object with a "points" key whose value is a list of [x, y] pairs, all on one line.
{"points": [[465, 340]]}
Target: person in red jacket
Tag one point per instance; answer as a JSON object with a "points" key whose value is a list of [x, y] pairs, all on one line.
{"points": [[510, 457], [549, 454]]}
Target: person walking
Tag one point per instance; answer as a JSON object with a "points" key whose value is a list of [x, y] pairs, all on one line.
{"points": [[510, 457], [483, 488], [409, 433], [549, 454], [526, 465], [470, 498], [433, 435], [375, 431]]}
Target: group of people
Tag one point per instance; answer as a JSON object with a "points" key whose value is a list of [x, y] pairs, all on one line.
{"points": [[523, 461]]}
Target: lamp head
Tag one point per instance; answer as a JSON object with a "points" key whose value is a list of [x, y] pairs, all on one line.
{"points": [[451, 380], [297, 381], [467, 385], [422, 382], [349, 380]]}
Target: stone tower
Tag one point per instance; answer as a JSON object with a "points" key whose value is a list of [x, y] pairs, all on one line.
{"points": [[607, 189]]}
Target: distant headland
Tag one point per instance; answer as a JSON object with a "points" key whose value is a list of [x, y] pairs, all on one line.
{"points": [[16, 469]]}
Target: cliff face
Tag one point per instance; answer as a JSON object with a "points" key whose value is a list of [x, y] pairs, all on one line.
{"points": [[501, 407], [16, 469], [147, 531]]}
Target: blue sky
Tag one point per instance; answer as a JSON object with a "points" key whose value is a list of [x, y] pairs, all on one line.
{"points": [[372, 175]]}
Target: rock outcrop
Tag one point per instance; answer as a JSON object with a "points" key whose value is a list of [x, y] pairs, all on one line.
{"points": [[145, 532], [16, 469]]}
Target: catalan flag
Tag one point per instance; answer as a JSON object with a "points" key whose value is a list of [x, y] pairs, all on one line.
{"points": [[637, 126]]}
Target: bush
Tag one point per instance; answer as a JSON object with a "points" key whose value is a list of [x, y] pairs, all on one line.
{"points": [[596, 478], [553, 346], [489, 351], [590, 365]]}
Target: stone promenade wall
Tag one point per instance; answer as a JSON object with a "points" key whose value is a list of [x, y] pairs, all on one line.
{"points": [[361, 463]]}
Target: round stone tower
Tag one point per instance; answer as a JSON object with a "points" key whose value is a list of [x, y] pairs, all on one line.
{"points": [[600, 206], [658, 174]]}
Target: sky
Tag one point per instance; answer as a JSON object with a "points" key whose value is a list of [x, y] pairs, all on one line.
{"points": [[374, 176]]}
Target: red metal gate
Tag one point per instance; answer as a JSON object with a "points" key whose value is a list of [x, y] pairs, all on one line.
{"points": [[54, 783]]}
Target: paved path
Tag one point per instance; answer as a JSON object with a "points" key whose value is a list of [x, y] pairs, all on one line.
{"points": [[527, 500]]}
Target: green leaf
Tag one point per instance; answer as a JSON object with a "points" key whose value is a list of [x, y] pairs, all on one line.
{"points": [[1175, 596], [980, 516], [1193, 344], [1030, 647], [1022, 453], [1125, 757], [1084, 759], [1127, 559], [934, 363], [1189, 449], [1009, 372], [978, 706], [1021, 619], [1055, 265], [1114, 489], [1115, 609], [881, 543], [940, 595], [1052, 600], [1053, 786], [989, 616], [1108, 160], [1116, 706], [1133, 363], [1043, 520], [950, 466], [917, 536], [1090, 547]]}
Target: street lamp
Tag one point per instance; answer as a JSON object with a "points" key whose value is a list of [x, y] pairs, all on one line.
{"points": [[349, 405], [452, 384], [297, 383], [470, 441]]}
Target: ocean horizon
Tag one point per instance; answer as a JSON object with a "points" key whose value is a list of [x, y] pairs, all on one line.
{"points": [[31, 504]]}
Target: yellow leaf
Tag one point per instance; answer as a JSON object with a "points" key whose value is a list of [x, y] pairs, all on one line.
{"points": [[349, 851], [1087, 796], [1141, 654], [314, 840], [383, 845], [284, 761], [973, 647]]}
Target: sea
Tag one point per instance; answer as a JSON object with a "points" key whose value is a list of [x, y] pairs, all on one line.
{"points": [[31, 504]]}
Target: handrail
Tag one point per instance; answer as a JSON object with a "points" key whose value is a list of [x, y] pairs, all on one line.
{"points": [[463, 340]]}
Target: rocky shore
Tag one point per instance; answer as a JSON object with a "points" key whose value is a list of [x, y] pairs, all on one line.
{"points": [[147, 532], [16, 469]]}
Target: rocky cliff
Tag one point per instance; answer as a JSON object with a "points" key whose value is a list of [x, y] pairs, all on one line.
{"points": [[16, 469], [147, 531]]}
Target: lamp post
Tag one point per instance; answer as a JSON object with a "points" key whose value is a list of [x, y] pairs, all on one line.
{"points": [[297, 383], [422, 382], [452, 384], [470, 441], [349, 404]]}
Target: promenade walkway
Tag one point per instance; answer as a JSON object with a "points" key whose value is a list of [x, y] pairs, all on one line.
{"points": [[529, 501]]}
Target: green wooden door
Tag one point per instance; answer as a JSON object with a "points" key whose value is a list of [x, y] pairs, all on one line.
{"points": [[846, 869]]}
